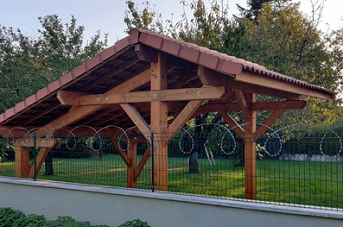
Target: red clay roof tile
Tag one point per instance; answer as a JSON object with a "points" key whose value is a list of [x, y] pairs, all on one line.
{"points": [[121, 44], [30, 100], [208, 60], [78, 71], [66, 78], [94, 61], [42, 93], [20, 106], [189, 54], [9, 113], [54, 86], [229, 67], [2, 117], [109, 52], [151, 40], [171, 47]]}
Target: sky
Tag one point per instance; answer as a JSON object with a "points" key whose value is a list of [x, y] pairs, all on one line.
{"points": [[107, 15]]}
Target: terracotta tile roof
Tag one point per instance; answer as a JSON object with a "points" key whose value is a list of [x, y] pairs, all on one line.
{"points": [[88, 76]]}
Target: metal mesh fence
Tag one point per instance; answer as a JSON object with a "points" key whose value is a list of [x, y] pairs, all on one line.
{"points": [[295, 166]]}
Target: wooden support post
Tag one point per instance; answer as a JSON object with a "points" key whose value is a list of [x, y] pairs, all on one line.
{"points": [[250, 151], [131, 170], [159, 115], [21, 161], [40, 159]]}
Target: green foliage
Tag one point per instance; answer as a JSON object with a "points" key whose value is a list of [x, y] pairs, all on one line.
{"points": [[9, 218], [134, 223], [28, 64], [16, 218], [276, 35], [6, 150]]}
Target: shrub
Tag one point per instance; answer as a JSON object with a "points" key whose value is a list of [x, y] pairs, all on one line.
{"points": [[16, 218]]}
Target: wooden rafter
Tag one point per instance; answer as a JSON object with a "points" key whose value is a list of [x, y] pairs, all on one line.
{"points": [[235, 107], [40, 114], [142, 162], [146, 53], [233, 124], [113, 72], [137, 119], [84, 111], [261, 80], [72, 98], [185, 75], [40, 159], [211, 78], [242, 103], [269, 122], [182, 118], [123, 155]]}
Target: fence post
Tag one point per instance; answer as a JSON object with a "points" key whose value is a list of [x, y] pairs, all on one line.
{"points": [[152, 163], [34, 156]]}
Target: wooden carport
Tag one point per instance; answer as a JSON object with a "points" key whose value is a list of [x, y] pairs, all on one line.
{"points": [[145, 78]]}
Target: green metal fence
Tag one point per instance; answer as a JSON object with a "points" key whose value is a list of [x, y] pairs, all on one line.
{"points": [[295, 166]]}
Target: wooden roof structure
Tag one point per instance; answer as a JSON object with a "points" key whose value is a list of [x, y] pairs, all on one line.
{"points": [[146, 77]]}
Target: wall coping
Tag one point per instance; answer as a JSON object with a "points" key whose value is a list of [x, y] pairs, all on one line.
{"points": [[313, 211]]}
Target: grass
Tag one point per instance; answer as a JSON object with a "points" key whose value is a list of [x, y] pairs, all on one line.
{"points": [[307, 183]]}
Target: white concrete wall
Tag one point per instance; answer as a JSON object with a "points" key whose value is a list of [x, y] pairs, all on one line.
{"points": [[115, 206]]}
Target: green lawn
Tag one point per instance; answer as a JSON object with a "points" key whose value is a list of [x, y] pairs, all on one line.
{"points": [[310, 183]]}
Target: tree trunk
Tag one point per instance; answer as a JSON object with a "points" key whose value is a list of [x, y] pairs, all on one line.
{"points": [[49, 170], [193, 163]]}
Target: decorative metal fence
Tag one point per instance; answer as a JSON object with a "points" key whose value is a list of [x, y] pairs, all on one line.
{"points": [[300, 165]]}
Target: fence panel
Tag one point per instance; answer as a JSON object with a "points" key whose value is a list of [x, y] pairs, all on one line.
{"points": [[296, 166]]}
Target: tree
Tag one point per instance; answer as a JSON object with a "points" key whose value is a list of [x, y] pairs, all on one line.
{"points": [[28, 64], [255, 6], [271, 33]]}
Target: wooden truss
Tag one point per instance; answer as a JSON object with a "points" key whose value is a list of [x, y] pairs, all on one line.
{"points": [[185, 102]]}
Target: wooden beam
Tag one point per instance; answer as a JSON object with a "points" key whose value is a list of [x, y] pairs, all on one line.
{"points": [[84, 111], [250, 151], [264, 81], [230, 81], [123, 155], [142, 162], [289, 105], [131, 175], [70, 97], [242, 103], [269, 122], [146, 53], [112, 73], [40, 159], [235, 107], [21, 161], [259, 89], [211, 78], [182, 118], [138, 120], [41, 113], [186, 94], [233, 124], [40, 142], [159, 119], [185, 75], [22, 170]]}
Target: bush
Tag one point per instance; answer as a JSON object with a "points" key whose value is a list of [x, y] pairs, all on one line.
{"points": [[16, 218], [6, 150]]}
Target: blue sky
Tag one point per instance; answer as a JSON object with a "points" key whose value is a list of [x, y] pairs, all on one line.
{"points": [[107, 15]]}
